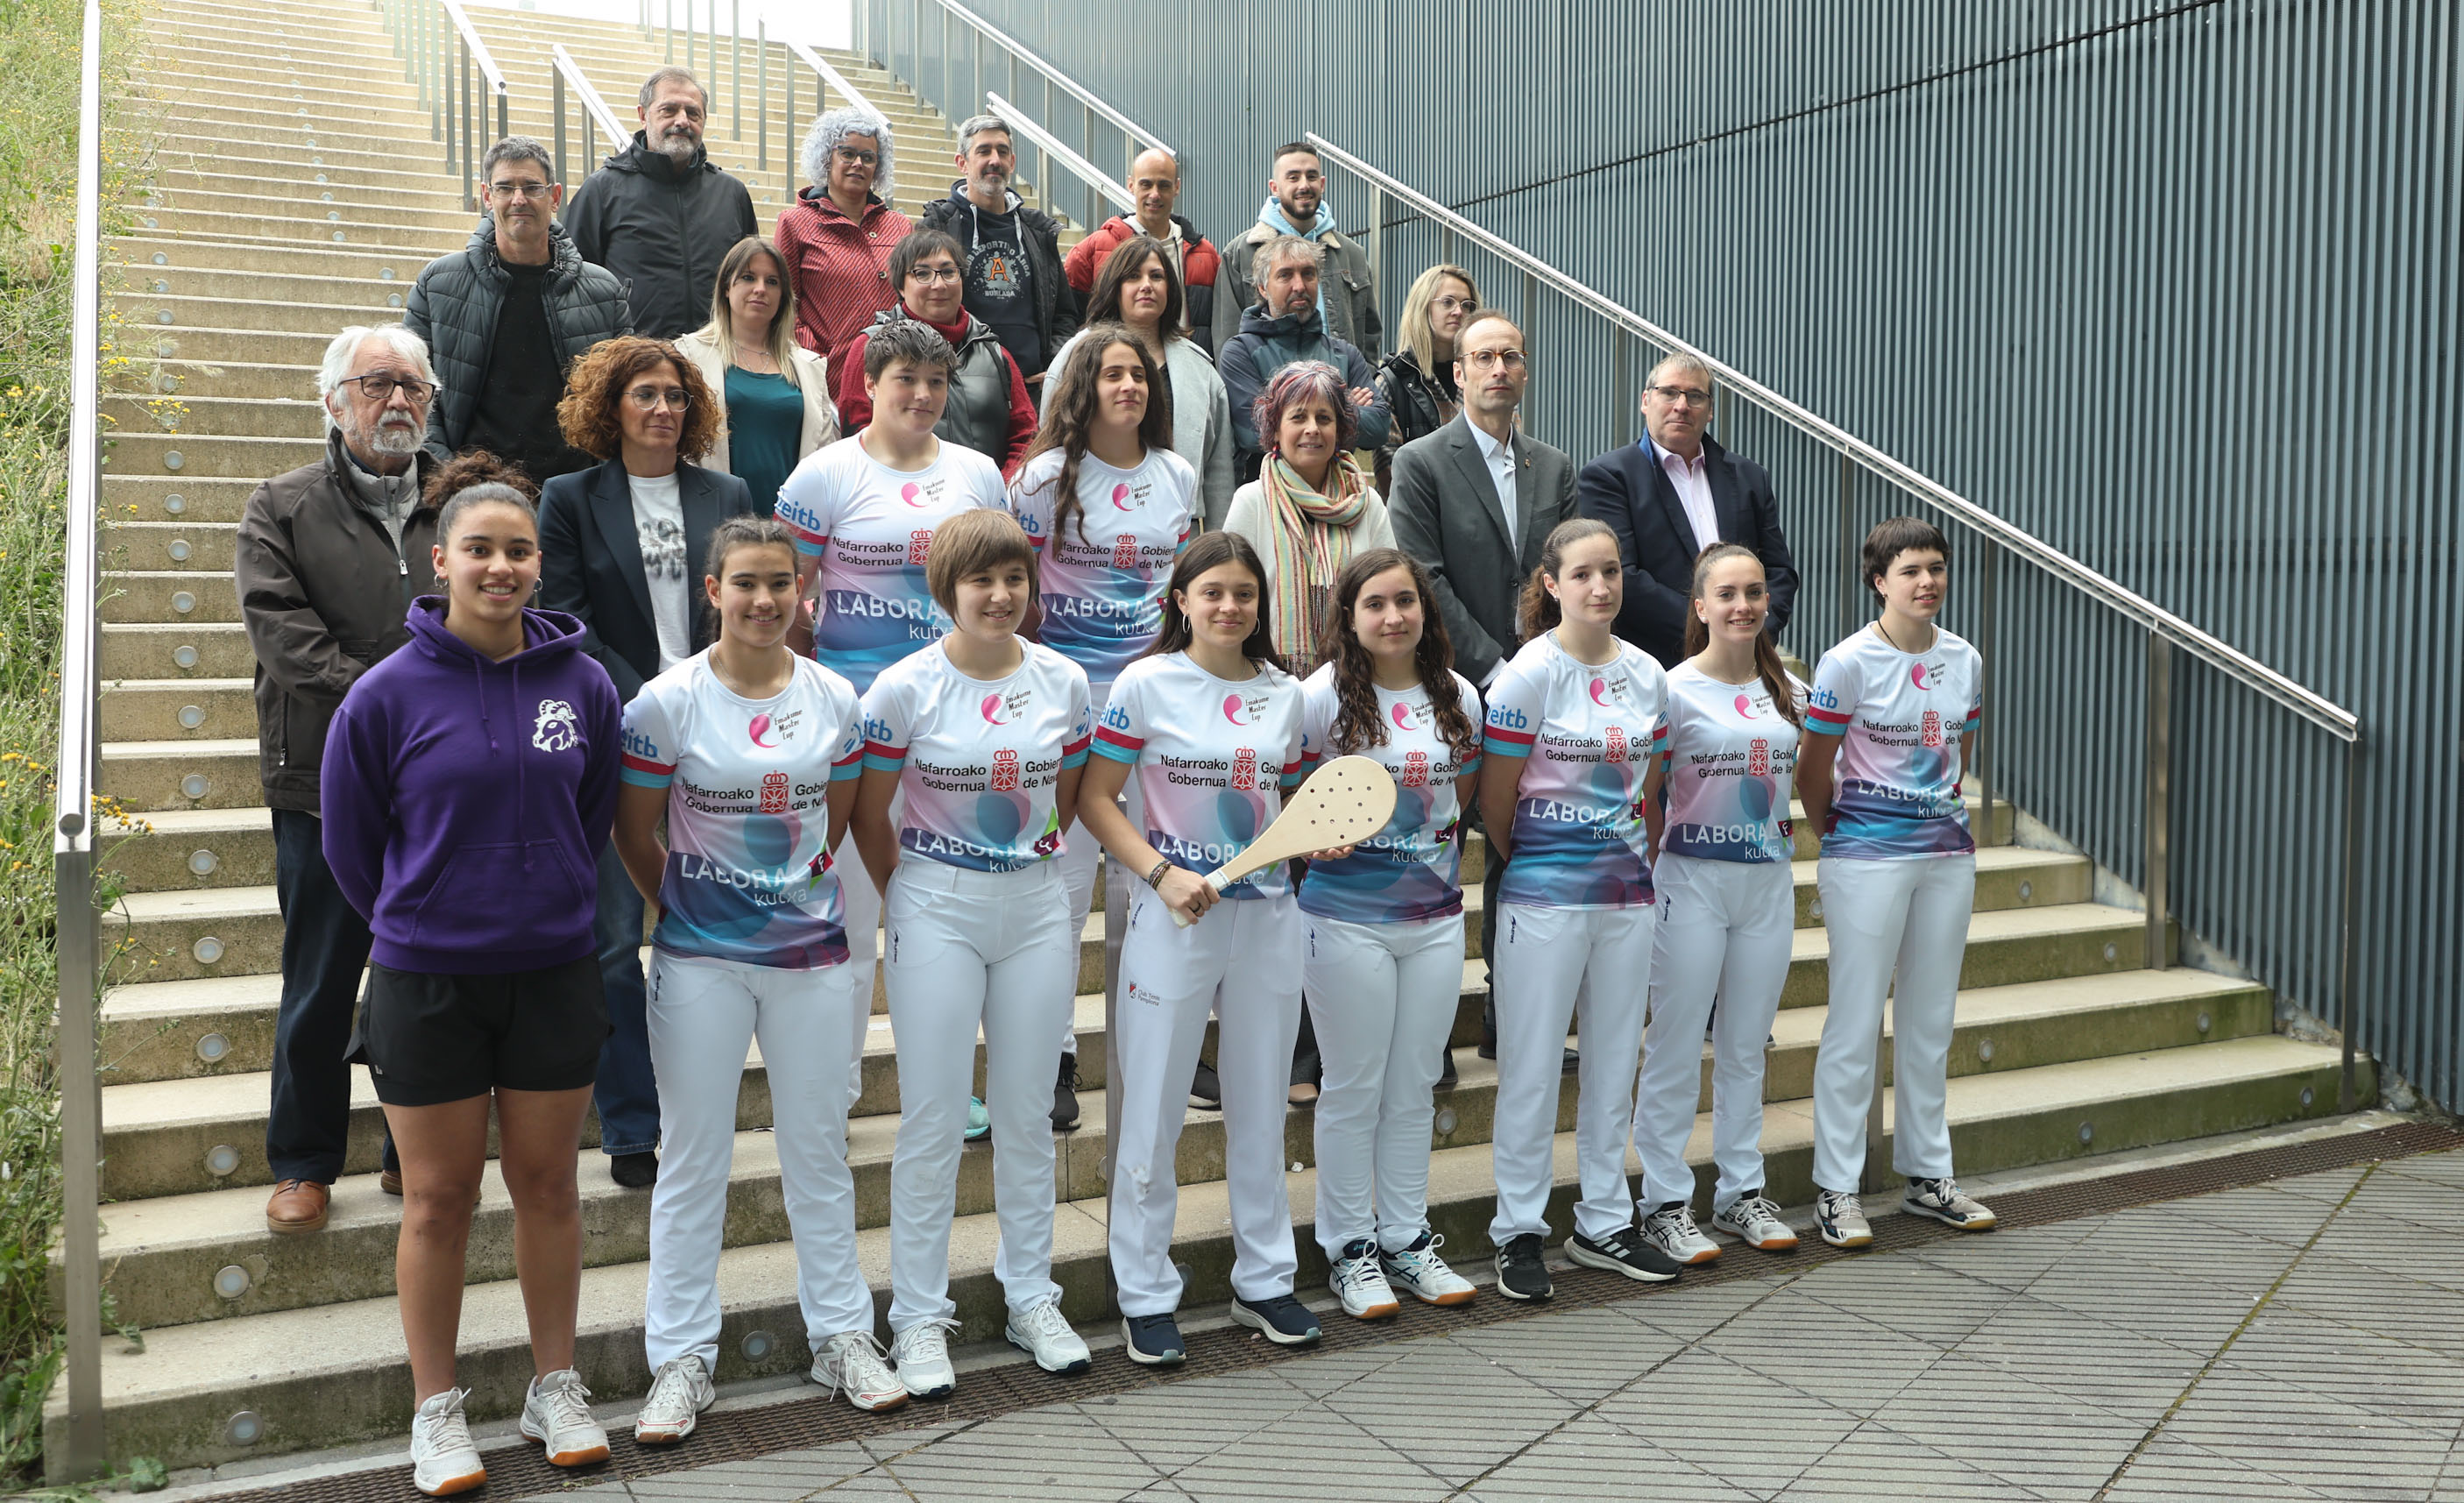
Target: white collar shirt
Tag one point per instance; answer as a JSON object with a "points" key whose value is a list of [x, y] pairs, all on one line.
{"points": [[1692, 479], [1500, 455]]}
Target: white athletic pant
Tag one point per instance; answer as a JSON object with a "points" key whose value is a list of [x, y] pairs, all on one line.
{"points": [[1910, 915], [969, 949], [1077, 863], [702, 1015], [1721, 928], [1551, 961], [1243, 964], [1383, 997], [861, 902]]}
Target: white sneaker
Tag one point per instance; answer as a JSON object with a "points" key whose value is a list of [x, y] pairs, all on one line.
{"points": [[1942, 1201], [1419, 1272], [853, 1363], [442, 1458], [1042, 1332], [1755, 1221], [922, 1354], [1357, 1280], [1672, 1230], [1840, 1218], [678, 1396], [556, 1413]]}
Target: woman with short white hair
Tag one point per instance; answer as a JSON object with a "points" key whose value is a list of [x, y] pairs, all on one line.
{"points": [[837, 236]]}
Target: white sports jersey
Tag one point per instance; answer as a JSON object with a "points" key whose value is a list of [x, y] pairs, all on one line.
{"points": [[872, 530], [1590, 733], [978, 759], [1731, 758], [1895, 787], [1211, 760], [1411, 869], [747, 878], [1102, 579]]}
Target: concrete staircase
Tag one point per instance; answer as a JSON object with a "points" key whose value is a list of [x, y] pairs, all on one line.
{"points": [[241, 267]]}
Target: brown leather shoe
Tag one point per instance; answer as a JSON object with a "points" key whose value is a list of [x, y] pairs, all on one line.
{"points": [[389, 1180], [298, 1205]]}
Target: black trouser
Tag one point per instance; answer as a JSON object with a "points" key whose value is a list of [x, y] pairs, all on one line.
{"points": [[324, 949]]}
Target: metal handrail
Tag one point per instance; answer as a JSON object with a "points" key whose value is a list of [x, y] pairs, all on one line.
{"points": [[74, 805], [1062, 80], [2217, 653], [1053, 150], [613, 128], [458, 126], [832, 77]]}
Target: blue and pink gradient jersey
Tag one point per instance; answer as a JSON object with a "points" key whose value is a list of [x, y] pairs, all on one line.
{"points": [[748, 881], [1210, 760], [978, 759], [1590, 735], [870, 529], [1411, 869], [1731, 759], [1894, 784], [1103, 577]]}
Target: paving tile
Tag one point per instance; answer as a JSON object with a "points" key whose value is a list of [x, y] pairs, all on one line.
{"points": [[1047, 1453], [1591, 1458], [1579, 1355], [1314, 1451], [1749, 1429]]}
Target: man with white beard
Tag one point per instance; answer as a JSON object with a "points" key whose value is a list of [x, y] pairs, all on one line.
{"points": [[329, 557], [660, 213]]}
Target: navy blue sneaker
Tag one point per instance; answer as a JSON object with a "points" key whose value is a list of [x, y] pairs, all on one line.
{"points": [[1282, 1319], [1152, 1340]]}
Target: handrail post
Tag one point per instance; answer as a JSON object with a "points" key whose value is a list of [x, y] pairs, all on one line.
{"points": [[1532, 397], [670, 28], [1626, 408], [735, 64], [761, 70], [1988, 563], [504, 115], [2348, 1000], [556, 83], [469, 197], [2157, 816], [1845, 616]]}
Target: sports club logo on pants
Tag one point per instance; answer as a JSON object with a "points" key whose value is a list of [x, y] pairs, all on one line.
{"points": [[1933, 727], [773, 793]]}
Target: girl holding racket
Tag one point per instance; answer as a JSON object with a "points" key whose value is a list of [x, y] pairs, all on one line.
{"points": [[1384, 931], [1576, 720]]}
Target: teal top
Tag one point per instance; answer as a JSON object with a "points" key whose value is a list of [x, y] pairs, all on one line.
{"points": [[765, 421]]}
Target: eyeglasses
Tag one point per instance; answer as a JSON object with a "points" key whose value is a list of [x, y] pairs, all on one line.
{"points": [[931, 275], [381, 388], [1492, 359], [1450, 303], [857, 158], [648, 398], [519, 189], [1684, 396]]}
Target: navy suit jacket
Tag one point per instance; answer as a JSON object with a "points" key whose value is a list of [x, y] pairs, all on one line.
{"points": [[1627, 489], [590, 558]]}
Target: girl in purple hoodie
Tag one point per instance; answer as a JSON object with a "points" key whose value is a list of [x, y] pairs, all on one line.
{"points": [[469, 781]]}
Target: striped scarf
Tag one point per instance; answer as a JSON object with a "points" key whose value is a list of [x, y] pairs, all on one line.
{"points": [[1312, 543]]}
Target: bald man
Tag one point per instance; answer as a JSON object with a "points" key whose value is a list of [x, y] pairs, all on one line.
{"points": [[1155, 185]]}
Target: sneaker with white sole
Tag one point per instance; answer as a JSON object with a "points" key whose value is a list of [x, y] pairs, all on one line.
{"points": [[1522, 1275], [921, 1353], [1419, 1272], [1755, 1221], [678, 1394], [1623, 1252], [1841, 1219], [443, 1461], [1941, 1199], [1043, 1331], [556, 1413], [1361, 1284], [1672, 1230], [853, 1363]]}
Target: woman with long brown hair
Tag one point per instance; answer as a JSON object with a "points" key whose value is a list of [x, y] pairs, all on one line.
{"points": [[1383, 964], [1140, 287], [772, 394]]}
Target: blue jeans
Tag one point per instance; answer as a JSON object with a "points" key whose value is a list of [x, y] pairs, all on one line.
{"points": [[627, 1092], [324, 949]]}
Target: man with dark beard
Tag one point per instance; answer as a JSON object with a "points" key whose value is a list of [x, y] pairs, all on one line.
{"points": [[328, 559], [660, 213]]}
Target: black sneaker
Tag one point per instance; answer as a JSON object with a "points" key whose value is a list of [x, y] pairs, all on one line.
{"points": [[634, 1171], [1623, 1252], [1573, 1063], [1281, 1319], [1065, 1096], [1521, 1275], [1204, 1090], [1152, 1340], [1447, 1080]]}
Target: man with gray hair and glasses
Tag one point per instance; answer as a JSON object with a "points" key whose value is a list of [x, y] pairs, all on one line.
{"points": [[507, 315], [1670, 495], [661, 214], [1013, 277], [328, 558]]}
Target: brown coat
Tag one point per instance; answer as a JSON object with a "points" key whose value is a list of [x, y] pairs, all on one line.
{"points": [[323, 596]]}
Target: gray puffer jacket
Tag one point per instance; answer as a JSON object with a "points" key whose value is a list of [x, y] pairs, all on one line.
{"points": [[453, 307]]}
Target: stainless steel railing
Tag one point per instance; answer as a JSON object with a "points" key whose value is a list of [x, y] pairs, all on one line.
{"points": [[2166, 633], [440, 48], [1055, 153], [564, 76]]}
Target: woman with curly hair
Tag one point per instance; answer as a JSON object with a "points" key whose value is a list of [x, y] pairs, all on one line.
{"points": [[1383, 966], [619, 540], [1139, 287], [1310, 509]]}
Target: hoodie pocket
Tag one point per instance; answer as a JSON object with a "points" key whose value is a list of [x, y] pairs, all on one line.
{"points": [[485, 899]]}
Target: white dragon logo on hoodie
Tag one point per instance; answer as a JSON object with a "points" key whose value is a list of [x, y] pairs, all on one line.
{"points": [[558, 728]]}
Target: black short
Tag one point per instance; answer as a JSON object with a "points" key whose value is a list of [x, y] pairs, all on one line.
{"points": [[431, 1039]]}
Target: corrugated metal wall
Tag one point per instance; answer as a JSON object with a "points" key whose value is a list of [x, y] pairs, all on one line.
{"points": [[2174, 287]]}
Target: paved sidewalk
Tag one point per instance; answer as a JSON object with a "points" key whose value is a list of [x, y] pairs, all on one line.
{"points": [[2299, 1338]]}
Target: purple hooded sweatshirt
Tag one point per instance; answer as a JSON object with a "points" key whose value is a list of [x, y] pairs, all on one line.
{"points": [[466, 800]]}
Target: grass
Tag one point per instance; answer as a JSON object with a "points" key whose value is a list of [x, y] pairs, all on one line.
{"points": [[39, 42]]}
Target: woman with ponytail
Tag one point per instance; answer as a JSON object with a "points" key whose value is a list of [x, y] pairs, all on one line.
{"points": [[1727, 909]]}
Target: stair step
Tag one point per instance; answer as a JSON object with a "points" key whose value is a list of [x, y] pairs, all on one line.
{"points": [[175, 650], [206, 255], [156, 546], [296, 413], [148, 776]]}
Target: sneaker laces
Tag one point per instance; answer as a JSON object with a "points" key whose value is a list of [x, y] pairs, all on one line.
{"points": [[673, 1385], [448, 1428], [567, 1404], [1839, 1206], [1044, 1321], [1747, 1209], [1355, 1272], [926, 1338], [1678, 1220], [863, 1365], [1421, 1256]]}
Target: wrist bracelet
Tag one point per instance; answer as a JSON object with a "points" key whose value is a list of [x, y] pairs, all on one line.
{"points": [[1160, 868]]}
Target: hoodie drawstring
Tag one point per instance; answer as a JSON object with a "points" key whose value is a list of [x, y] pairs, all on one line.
{"points": [[522, 764]]}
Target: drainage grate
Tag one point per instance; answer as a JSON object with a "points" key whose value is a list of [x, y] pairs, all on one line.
{"points": [[518, 1471]]}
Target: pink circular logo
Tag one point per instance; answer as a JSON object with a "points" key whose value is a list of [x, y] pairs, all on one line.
{"points": [[759, 728]]}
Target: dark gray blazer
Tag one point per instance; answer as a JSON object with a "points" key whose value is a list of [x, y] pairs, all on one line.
{"points": [[1445, 514], [591, 559]]}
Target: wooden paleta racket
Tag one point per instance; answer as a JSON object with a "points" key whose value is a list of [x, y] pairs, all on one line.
{"points": [[1342, 804]]}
